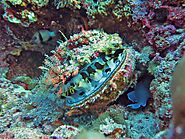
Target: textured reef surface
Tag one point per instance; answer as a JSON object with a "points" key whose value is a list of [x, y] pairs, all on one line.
{"points": [[92, 69]]}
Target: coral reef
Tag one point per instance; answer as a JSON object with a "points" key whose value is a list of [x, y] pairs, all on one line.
{"points": [[107, 72], [111, 123], [20, 133], [22, 15], [111, 128], [65, 132], [12, 100], [25, 17], [136, 125], [160, 86], [67, 3], [42, 107], [131, 124]]}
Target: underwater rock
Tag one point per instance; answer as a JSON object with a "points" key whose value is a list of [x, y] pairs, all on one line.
{"points": [[65, 132], [23, 133], [12, 101], [142, 125], [178, 97], [160, 87], [112, 129], [90, 135]]}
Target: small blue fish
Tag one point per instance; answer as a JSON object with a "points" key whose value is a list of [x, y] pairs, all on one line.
{"points": [[140, 95], [42, 36]]}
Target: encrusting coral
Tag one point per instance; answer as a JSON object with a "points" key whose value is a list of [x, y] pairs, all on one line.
{"points": [[24, 16]]}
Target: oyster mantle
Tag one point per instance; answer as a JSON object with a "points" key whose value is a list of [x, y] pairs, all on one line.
{"points": [[91, 70]]}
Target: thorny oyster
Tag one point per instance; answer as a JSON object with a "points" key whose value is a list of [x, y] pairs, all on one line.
{"points": [[90, 70]]}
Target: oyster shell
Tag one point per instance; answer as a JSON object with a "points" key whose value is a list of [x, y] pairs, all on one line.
{"points": [[91, 69]]}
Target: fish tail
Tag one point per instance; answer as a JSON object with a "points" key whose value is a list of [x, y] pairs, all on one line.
{"points": [[52, 34]]}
